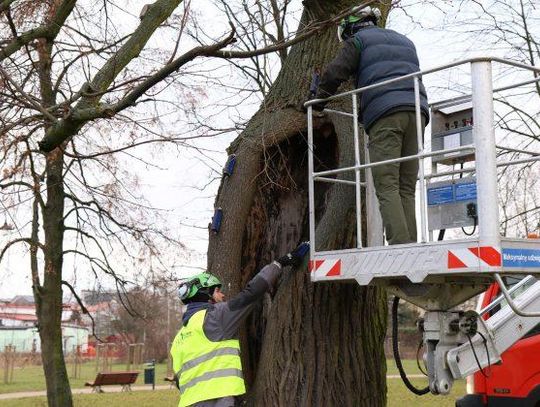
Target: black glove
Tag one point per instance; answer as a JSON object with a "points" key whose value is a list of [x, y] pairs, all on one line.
{"points": [[295, 257]]}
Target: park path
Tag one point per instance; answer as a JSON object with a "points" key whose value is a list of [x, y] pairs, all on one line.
{"points": [[118, 389], [87, 390]]}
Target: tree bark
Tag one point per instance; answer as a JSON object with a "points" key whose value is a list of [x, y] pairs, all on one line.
{"points": [[48, 296], [49, 304], [311, 344]]}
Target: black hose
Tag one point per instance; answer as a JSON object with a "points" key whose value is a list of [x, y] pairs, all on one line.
{"points": [[474, 228], [395, 349], [486, 375]]}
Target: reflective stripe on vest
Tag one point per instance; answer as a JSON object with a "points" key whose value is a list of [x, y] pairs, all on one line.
{"points": [[206, 370], [212, 375], [218, 352]]}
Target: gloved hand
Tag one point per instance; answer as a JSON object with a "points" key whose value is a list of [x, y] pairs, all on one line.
{"points": [[295, 257]]}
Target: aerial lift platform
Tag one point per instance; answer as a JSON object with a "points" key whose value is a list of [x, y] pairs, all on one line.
{"points": [[435, 275]]}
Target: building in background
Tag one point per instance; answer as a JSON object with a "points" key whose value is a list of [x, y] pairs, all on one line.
{"points": [[18, 326], [103, 307]]}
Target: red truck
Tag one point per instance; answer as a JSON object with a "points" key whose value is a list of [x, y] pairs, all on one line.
{"points": [[515, 381]]}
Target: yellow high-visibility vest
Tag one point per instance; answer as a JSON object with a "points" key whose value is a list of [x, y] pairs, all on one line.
{"points": [[207, 370]]}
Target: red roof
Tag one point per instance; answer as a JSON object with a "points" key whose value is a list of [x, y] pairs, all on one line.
{"points": [[18, 317], [11, 305], [32, 306]]}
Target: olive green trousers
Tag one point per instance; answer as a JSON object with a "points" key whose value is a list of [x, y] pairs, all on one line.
{"points": [[391, 137]]}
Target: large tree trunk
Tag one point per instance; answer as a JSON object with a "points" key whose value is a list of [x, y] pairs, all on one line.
{"points": [[311, 345]]}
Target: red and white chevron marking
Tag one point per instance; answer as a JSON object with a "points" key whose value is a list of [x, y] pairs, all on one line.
{"points": [[486, 256], [328, 268]]}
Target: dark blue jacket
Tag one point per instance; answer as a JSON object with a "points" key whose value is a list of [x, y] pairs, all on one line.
{"points": [[374, 55], [386, 54]]}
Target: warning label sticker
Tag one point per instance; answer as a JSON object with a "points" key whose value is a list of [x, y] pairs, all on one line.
{"points": [[451, 194], [521, 258], [466, 192], [440, 195]]}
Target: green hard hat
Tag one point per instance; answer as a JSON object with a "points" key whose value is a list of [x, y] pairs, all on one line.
{"points": [[199, 283], [359, 15]]}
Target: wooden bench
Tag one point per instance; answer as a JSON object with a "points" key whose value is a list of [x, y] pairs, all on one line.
{"points": [[124, 379], [171, 381]]}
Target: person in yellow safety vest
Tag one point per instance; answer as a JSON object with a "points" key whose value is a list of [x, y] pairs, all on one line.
{"points": [[206, 350]]}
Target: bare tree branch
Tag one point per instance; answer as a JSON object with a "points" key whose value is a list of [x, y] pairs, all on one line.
{"points": [[27, 240], [49, 30], [84, 310], [27, 97], [87, 109], [4, 5]]}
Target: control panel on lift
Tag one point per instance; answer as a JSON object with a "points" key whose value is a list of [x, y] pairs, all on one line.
{"points": [[451, 127], [452, 203]]}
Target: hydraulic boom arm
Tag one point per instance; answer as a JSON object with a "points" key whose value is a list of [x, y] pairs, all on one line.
{"points": [[458, 344]]}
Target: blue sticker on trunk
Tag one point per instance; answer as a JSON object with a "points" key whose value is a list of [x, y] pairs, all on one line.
{"points": [[521, 258]]}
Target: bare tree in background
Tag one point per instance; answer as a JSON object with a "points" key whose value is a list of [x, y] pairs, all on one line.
{"points": [[259, 22], [513, 26], [155, 319], [82, 190]]}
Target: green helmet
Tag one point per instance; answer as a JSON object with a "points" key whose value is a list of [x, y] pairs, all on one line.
{"points": [[199, 284], [361, 17]]}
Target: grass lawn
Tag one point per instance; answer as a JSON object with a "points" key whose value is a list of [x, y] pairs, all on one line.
{"points": [[133, 399], [30, 378], [398, 394], [410, 367]]}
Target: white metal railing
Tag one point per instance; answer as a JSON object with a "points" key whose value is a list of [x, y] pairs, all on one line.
{"points": [[526, 281], [483, 145]]}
